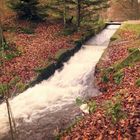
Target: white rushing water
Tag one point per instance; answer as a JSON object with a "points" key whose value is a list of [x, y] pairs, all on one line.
{"points": [[74, 80]]}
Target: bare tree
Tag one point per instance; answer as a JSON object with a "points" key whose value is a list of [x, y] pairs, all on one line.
{"points": [[78, 12]]}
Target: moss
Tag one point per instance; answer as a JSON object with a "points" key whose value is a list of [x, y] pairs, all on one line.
{"points": [[131, 59], [27, 30], [60, 52], [117, 77], [20, 86], [131, 50], [105, 78], [11, 55], [115, 37], [79, 101], [116, 69], [8, 52], [68, 30], [110, 69], [39, 69], [4, 88], [92, 106], [128, 61]]}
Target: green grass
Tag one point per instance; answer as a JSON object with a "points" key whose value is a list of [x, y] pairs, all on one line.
{"points": [[7, 52], [130, 60], [4, 88], [18, 28], [79, 101], [4, 46], [131, 50], [132, 27], [41, 69], [9, 55], [14, 83], [105, 78], [92, 106], [115, 37], [18, 84], [117, 68], [114, 109], [20, 87], [126, 26], [117, 77]]}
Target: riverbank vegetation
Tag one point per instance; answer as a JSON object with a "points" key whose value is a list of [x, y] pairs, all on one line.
{"points": [[35, 33], [117, 77]]}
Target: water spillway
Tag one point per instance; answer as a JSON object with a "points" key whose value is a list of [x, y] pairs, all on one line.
{"points": [[41, 111]]}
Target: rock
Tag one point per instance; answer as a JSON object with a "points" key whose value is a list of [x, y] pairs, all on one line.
{"points": [[85, 108]]}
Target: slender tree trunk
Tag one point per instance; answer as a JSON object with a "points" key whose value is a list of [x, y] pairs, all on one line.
{"points": [[78, 13], [1, 34], [64, 12], [10, 120]]}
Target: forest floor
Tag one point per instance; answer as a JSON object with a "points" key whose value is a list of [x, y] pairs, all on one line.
{"points": [[115, 114], [30, 48]]}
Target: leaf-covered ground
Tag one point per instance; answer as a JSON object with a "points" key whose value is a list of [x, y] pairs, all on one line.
{"points": [[117, 113], [37, 45]]}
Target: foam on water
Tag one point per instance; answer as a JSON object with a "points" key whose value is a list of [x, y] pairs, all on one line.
{"points": [[74, 80]]}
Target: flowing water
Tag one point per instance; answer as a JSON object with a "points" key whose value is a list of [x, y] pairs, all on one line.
{"points": [[41, 111]]}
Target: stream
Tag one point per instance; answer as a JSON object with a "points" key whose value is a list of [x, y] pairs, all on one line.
{"points": [[43, 110]]}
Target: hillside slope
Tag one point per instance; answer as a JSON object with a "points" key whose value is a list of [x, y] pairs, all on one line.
{"points": [[121, 10], [115, 113], [4, 10]]}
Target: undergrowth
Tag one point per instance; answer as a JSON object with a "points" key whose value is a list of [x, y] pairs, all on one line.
{"points": [[114, 109]]}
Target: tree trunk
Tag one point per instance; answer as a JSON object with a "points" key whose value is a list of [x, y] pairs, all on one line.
{"points": [[1, 35], [64, 14], [78, 13]]}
